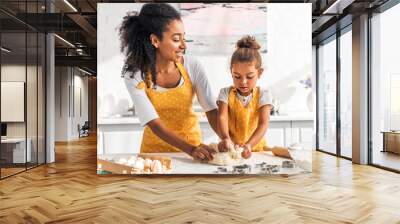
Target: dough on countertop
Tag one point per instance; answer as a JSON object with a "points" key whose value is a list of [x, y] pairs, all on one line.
{"points": [[232, 157]]}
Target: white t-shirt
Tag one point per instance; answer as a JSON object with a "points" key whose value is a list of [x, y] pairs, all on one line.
{"points": [[265, 97], [145, 109]]}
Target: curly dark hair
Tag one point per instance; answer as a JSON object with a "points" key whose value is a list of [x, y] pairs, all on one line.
{"points": [[135, 32]]}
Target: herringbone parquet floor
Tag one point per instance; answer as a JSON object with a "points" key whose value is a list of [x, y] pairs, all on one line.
{"points": [[69, 191]]}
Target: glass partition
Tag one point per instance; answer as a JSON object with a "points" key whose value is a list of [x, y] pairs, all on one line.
{"points": [[22, 88], [13, 94]]}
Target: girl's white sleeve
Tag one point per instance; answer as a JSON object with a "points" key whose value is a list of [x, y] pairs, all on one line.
{"points": [[223, 95], [265, 98]]}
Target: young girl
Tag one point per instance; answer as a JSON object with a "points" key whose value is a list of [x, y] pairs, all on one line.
{"points": [[244, 108]]}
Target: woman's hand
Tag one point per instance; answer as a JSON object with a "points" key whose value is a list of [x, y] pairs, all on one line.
{"points": [[225, 145], [246, 151], [203, 153]]}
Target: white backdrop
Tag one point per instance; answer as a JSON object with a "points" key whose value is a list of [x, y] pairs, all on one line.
{"points": [[287, 62]]}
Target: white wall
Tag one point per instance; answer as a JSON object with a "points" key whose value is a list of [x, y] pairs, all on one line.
{"points": [[67, 116], [61, 103], [112, 96], [288, 59], [33, 126], [12, 73], [80, 82]]}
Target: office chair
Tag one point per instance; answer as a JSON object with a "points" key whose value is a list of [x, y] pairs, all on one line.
{"points": [[84, 130]]}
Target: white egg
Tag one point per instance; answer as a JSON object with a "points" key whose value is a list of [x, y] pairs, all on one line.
{"points": [[147, 163], [139, 165], [122, 161], [131, 161], [156, 166]]}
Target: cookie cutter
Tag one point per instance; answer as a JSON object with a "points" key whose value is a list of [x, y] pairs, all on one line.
{"points": [[270, 169], [242, 169], [261, 165], [287, 164], [222, 170]]}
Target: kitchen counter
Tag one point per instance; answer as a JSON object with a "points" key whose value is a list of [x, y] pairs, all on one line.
{"points": [[203, 119], [184, 164], [124, 134]]}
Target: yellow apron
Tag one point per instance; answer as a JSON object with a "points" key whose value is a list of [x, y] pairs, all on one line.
{"points": [[174, 107], [243, 120]]}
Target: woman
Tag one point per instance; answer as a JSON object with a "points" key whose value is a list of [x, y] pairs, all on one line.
{"points": [[162, 82]]}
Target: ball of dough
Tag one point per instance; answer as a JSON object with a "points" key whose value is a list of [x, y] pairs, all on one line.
{"points": [[233, 156], [236, 152], [221, 159]]}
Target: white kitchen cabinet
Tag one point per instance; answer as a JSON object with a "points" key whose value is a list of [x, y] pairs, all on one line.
{"points": [[286, 133], [278, 133], [302, 132], [119, 138], [125, 136]]}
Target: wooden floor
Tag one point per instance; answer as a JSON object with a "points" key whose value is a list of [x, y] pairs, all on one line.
{"points": [[69, 191], [387, 159], [10, 171]]}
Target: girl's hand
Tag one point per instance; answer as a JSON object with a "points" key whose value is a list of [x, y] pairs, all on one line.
{"points": [[246, 151], [203, 153], [225, 145]]}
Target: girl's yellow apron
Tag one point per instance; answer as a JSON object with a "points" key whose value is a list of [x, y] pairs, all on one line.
{"points": [[174, 107], [243, 120]]}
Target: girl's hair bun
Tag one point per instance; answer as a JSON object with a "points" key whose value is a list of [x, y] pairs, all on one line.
{"points": [[248, 42]]}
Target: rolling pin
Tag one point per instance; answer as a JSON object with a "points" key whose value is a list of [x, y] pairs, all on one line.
{"points": [[279, 151]]}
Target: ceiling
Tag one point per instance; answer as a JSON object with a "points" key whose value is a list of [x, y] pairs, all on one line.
{"points": [[76, 21]]}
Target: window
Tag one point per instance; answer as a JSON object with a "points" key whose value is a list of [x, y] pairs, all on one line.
{"points": [[327, 95], [385, 88], [346, 92]]}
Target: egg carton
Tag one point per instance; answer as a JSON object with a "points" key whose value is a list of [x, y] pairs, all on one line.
{"points": [[129, 166]]}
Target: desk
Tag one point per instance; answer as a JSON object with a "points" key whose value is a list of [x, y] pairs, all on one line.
{"points": [[15, 148], [391, 141]]}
